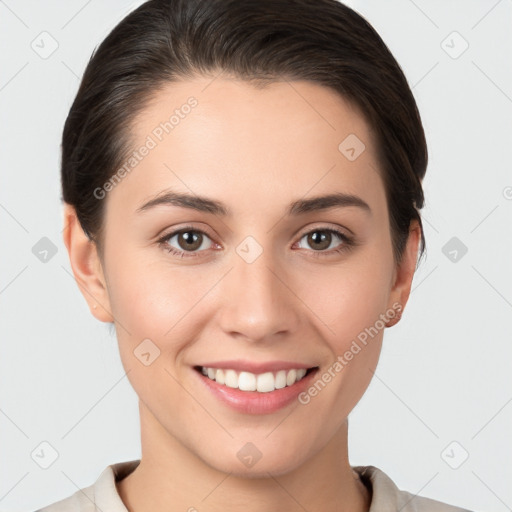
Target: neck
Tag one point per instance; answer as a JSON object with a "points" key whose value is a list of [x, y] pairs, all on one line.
{"points": [[170, 477]]}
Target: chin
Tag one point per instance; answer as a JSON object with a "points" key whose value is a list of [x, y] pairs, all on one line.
{"points": [[275, 462]]}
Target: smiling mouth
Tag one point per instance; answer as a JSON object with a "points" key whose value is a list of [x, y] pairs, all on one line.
{"points": [[247, 381]]}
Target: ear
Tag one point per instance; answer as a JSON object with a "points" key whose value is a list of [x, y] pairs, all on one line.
{"points": [[404, 271], [86, 266]]}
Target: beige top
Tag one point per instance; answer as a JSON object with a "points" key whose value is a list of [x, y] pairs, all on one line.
{"points": [[102, 496]]}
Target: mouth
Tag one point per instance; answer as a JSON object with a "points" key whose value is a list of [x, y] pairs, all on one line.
{"points": [[262, 382], [258, 392]]}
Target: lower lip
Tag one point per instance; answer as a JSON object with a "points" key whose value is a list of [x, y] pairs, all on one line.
{"points": [[254, 402]]}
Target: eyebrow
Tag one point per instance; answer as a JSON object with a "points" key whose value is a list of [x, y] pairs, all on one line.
{"points": [[298, 207]]}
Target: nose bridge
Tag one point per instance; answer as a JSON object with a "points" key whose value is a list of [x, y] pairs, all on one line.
{"points": [[257, 303]]}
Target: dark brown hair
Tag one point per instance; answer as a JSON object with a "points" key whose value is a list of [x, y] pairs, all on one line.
{"points": [[259, 41]]}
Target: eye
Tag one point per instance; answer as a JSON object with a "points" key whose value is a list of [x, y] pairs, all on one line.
{"points": [[188, 239], [192, 241], [322, 238]]}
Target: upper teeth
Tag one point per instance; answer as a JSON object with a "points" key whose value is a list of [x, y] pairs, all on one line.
{"points": [[246, 381]]}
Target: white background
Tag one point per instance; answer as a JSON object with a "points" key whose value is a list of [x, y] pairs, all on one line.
{"points": [[445, 369]]}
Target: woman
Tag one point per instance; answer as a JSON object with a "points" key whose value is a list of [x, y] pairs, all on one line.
{"points": [[242, 186]]}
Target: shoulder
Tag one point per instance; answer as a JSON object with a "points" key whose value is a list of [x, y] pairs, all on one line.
{"points": [[82, 500], [101, 495], [387, 497]]}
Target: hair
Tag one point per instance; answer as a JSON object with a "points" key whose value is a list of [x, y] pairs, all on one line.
{"points": [[259, 41]]}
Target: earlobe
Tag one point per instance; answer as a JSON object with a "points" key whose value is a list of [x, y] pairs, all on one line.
{"points": [[86, 265], [404, 272]]}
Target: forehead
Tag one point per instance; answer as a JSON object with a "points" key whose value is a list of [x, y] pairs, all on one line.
{"points": [[225, 137], [301, 108]]}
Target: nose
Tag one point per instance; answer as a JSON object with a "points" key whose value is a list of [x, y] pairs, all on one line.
{"points": [[258, 301]]}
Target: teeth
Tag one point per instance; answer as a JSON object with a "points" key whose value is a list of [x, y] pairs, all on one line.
{"points": [[231, 379], [247, 381], [291, 377], [280, 381], [219, 377]]}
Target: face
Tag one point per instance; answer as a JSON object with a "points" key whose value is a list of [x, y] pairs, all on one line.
{"points": [[256, 279]]}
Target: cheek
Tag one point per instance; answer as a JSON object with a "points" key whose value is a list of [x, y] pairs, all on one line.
{"points": [[152, 302], [141, 301], [353, 308], [157, 301], [348, 298]]}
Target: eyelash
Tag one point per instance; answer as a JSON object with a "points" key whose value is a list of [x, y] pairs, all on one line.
{"points": [[348, 242]]}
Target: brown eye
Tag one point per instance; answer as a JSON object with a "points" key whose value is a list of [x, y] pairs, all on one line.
{"points": [[189, 240], [321, 239]]}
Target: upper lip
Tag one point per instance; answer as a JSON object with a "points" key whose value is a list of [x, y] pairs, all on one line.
{"points": [[254, 367]]}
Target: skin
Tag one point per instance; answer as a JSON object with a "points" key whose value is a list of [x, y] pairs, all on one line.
{"points": [[256, 151]]}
